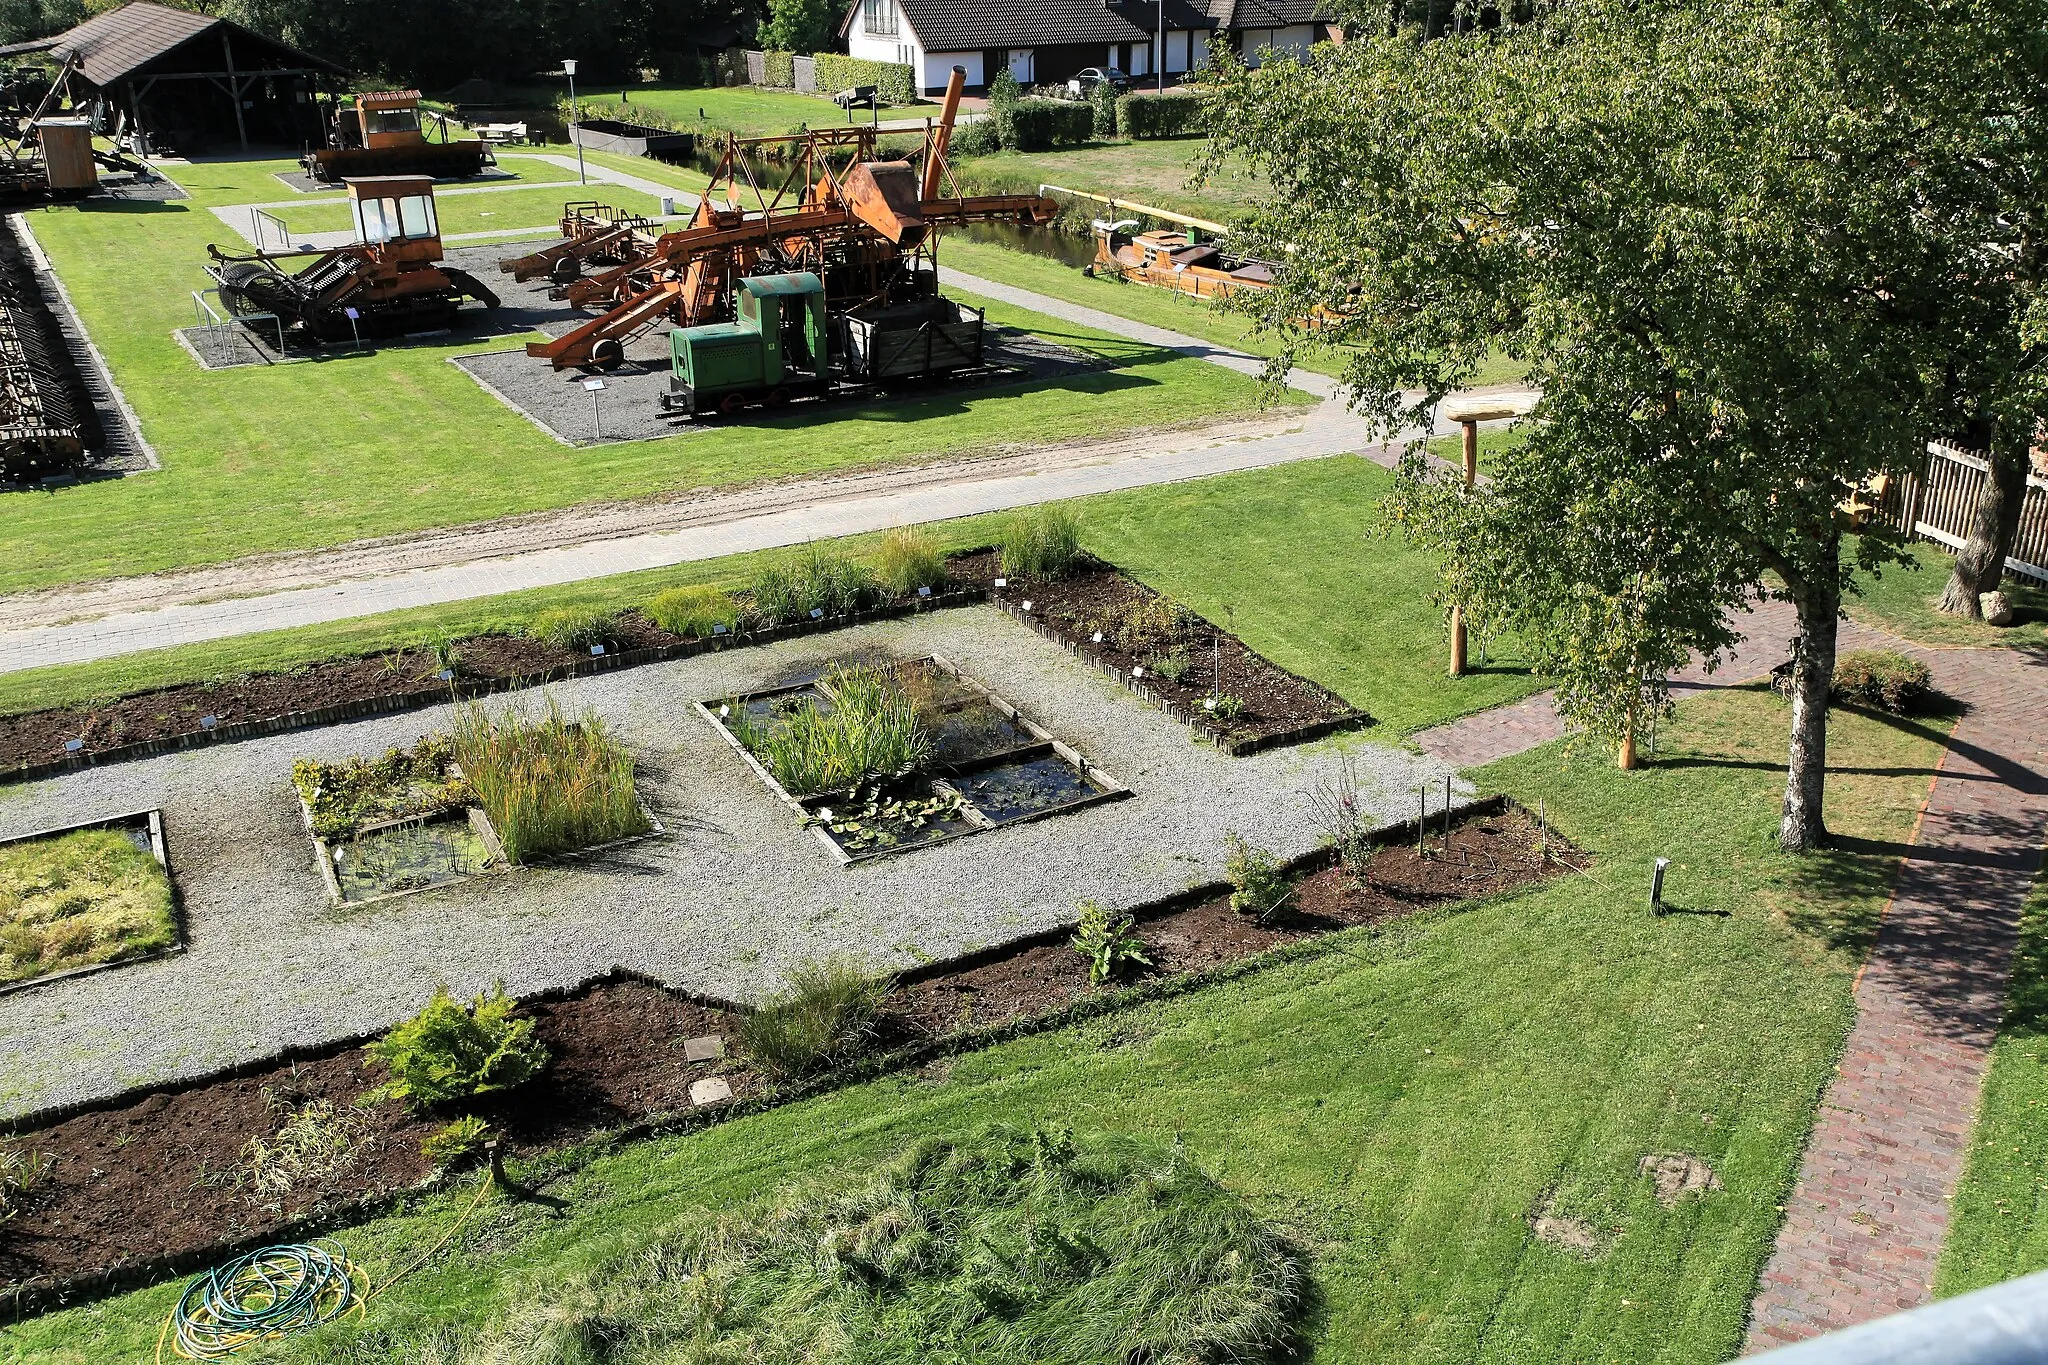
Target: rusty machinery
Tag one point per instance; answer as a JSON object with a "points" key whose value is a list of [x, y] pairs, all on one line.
{"points": [[381, 134], [863, 225], [389, 280], [45, 418]]}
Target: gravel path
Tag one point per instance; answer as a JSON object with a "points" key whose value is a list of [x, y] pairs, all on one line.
{"points": [[724, 905]]}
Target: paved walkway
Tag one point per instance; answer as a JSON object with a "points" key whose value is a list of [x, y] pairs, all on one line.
{"points": [[1867, 1220], [1868, 1217]]}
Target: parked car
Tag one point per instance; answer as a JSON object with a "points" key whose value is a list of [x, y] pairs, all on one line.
{"points": [[1083, 85]]}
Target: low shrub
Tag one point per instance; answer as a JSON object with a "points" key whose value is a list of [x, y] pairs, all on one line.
{"points": [[826, 1014], [345, 796], [1102, 110], [549, 786], [572, 628], [1038, 125], [979, 138], [1344, 816], [77, 900], [894, 82], [457, 1144], [1173, 665], [1000, 1244], [1151, 625], [779, 69], [816, 580], [692, 612], [1043, 542], [908, 559], [1154, 116], [1257, 888], [1884, 680], [1107, 939], [875, 728], [450, 1051]]}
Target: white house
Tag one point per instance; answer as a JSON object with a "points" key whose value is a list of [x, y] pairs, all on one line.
{"points": [[1044, 42]]}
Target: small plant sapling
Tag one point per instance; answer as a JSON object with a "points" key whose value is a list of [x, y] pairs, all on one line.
{"points": [[21, 1175], [449, 1051], [1258, 890], [458, 1144], [1107, 939], [1335, 807]]}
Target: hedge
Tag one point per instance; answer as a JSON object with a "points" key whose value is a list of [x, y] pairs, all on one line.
{"points": [[1143, 116], [1039, 125], [892, 80], [781, 70]]}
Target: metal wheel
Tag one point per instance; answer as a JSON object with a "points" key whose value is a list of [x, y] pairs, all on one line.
{"points": [[732, 404], [607, 353]]}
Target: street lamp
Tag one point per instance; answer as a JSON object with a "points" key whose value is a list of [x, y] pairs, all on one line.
{"points": [[569, 68]]}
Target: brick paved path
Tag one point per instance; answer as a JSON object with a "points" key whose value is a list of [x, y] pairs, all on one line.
{"points": [[1867, 1219]]}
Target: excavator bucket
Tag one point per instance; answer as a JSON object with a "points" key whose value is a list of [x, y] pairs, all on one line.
{"points": [[884, 195]]}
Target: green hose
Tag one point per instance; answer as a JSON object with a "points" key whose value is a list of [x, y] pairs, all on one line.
{"points": [[266, 1293]]}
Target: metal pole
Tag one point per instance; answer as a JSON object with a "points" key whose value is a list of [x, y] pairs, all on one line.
{"points": [[596, 423], [575, 125]]}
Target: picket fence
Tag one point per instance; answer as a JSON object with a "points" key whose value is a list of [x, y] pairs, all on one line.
{"points": [[1938, 502]]}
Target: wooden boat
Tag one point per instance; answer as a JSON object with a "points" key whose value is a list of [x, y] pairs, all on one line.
{"points": [[1171, 259]]}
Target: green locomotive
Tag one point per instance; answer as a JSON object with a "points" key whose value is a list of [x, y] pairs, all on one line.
{"points": [[783, 344]]}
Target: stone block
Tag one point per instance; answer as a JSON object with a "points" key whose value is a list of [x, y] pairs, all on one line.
{"points": [[710, 1090], [1997, 608], [706, 1049]]}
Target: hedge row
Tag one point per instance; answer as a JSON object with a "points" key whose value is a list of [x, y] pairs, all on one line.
{"points": [[1148, 116], [892, 80], [1040, 125]]}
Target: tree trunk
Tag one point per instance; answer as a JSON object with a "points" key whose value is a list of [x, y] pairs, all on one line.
{"points": [[1813, 676], [1980, 563]]}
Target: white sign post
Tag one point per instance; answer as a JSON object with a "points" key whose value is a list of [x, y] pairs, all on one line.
{"points": [[595, 386]]}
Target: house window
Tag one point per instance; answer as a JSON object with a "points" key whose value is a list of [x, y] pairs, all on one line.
{"points": [[879, 17]]}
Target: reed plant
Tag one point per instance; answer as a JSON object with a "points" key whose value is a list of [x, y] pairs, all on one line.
{"points": [[815, 580], [692, 611], [908, 559], [549, 785], [1043, 542], [828, 1012], [572, 628], [874, 728]]}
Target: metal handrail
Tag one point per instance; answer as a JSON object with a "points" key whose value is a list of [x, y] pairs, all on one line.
{"points": [[2006, 1324]]}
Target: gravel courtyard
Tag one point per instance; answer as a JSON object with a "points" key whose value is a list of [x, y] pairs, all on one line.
{"points": [[732, 896]]}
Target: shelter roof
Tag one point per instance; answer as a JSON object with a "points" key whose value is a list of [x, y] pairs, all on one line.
{"points": [[110, 47]]}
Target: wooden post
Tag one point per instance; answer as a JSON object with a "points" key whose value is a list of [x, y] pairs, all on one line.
{"points": [[1471, 426]]}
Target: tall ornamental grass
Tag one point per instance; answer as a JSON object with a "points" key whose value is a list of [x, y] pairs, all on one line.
{"points": [[816, 580], [908, 559], [874, 729], [1044, 542], [549, 785]]}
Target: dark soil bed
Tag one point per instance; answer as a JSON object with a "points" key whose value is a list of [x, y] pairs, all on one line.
{"points": [[37, 736], [168, 1172], [1213, 663]]}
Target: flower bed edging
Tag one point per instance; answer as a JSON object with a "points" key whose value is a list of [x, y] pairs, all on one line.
{"points": [[161, 850]]}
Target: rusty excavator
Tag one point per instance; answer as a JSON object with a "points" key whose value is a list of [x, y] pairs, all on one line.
{"points": [[866, 227]]}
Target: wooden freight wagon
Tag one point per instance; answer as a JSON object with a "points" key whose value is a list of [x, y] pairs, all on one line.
{"points": [[933, 336], [67, 154]]}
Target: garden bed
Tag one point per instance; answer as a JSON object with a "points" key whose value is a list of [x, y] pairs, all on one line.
{"points": [[145, 1185], [987, 765], [1131, 632], [83, 898], [38, 743]]}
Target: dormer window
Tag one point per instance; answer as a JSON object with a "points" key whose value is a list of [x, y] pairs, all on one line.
{"points": [[879, 17]]}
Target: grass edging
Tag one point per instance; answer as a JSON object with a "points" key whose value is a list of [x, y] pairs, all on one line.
{"points": [[32, 1298]]}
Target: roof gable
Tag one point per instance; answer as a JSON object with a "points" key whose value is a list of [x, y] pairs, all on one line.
{"points": [[109, 47], [968, 25]]}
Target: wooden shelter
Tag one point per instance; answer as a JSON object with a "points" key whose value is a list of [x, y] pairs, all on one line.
{"points": [[164, 78]]}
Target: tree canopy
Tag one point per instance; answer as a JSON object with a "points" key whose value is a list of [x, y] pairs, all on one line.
{"points": [[1706, 228]]}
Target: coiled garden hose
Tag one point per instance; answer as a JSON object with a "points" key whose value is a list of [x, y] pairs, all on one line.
{"points": [[266, 1293], [280, 1290]]}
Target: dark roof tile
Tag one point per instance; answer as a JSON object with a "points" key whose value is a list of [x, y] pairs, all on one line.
{"points": [[109, 47]]}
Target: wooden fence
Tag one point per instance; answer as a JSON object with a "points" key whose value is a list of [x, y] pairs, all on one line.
{"points": [[1940, 500]]}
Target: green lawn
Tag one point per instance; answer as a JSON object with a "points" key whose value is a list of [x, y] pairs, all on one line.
{"points": [[747, 110], [380, 443], [1154, 172], [1901, 600], [1999, 1223], [1285, 556], [484, 212], [1404, 1103]]}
